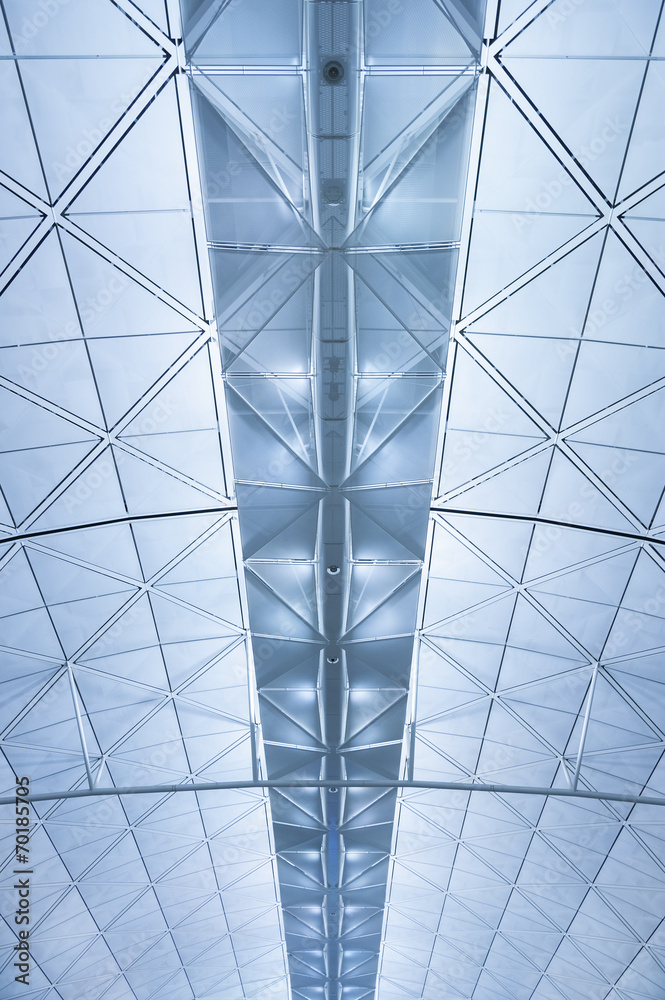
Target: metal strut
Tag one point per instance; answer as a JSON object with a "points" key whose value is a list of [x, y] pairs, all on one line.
{"points": [[415, 785], [631, 536]]}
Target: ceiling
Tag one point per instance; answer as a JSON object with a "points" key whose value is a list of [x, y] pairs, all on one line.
{"points": [[331, 469]]}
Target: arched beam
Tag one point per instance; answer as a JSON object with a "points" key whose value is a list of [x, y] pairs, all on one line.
{"points": [[413, 785], [631, 536], [126, 519]]}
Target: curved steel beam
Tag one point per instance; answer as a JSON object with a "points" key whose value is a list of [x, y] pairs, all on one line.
{"points": [[414, 785], [127, 519], [633, 536]]}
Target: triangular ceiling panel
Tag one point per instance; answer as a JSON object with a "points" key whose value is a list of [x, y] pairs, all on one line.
{"points": [[60, 373], [443, 686], [606, 374], [185, 660], [19, 158], [458, 577], [588, 621], [618, 29], [275, 105], [372, 586], [385, 344], [434, 214], [272, 512], [635, 477], [73, 93], [127, 367], [538, 368], [94, 496], [61, 580], [507, 548], [603, 581], [613, 722], [113, 708], [96, 28], [481, 660], [38, 305], [18, 589], [186, 402], [486, 427], [428, 36], [643, 588], [629, 427], [149, 488], [370, 538], [381, 406], [298, 538], [195, 454], [292, 582], [17, 221], [518, 165], [513, 490], [131, 181], [111, 304], [644, 158], [566, 484], [233, 698], [610, 90], [626, 305], [253, 208], [645, 221], [232, 35], [78, 621], [176, 623], [395, 618], [156, 11], [260, 453], [160, 246], [407, 292], [256, 292], [502, 251], [280, 342], [286, 405], [398, 510], [411, 449], [217, 594], [158, 544], [273, 617], [29, 476], [53, 724], [387, 117], [558, 296]]}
